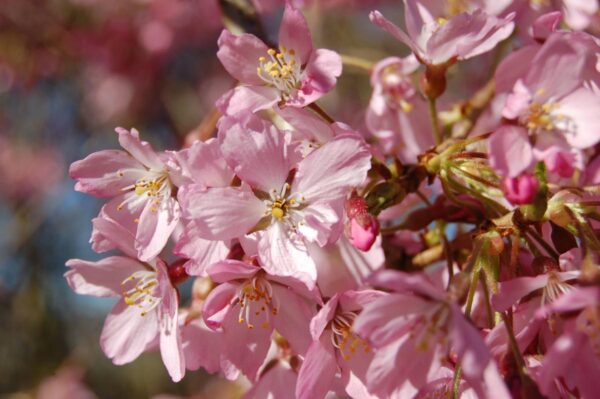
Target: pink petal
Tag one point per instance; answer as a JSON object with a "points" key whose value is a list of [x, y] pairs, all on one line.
{"points": [[320, 76], [509, 292], [416, 17], [221, 213], [294, 33], [231, 269], [274, 383], [246, 348], [513, 67], [509, 150], [239, 55], [217, 304], [378, 19], [171, 349], [468, 35], [126, 333], [98, 173], [140, 150], [114, 229], [354, 300], [388, 318], [244, 99], [476, 362], [559, 358], [408, 282], [580, 109], [156, 224], [284, 254], [545, 25], [575, 299], [323, 317], [202, 346], [203, 163], [328, 173], [305, 124], [102, 278], [262, 159], [320, 220], [318, 370], [200, 252], [293, 319], [341, 267], [517, 102]]}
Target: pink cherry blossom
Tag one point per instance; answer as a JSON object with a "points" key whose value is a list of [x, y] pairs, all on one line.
{"points": [[337, 347], [283, 213], [141, 186], [248, 304], [397, 115], [295, 74], [436, 41], [146, 313], [573, 358], [418, 322]]}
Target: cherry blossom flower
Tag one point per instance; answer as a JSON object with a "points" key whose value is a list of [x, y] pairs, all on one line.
{"points": [[146, 313], [436, 41], [337, 347], [141, 186], [309, 207], [295, 74], [575, 356], [397, 116], [418, 322], [248, 304]]}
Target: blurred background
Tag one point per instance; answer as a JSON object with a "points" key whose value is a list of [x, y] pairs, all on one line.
{"points": [[70, 72]]}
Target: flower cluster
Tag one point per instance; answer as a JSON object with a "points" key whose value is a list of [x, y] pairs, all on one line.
{"points": [[449, 249]]}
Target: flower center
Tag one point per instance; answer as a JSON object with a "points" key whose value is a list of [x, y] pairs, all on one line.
{"points": [[431, 325], [396, 88], [553, 289], [256, 298], [280, 70], [139, 291], [284, 206], [540, 117], [343, 338], [154, 187]]}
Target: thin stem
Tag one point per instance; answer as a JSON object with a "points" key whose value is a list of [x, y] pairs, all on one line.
{"points": [[321, 112], [456, 381], [423, 197], [488, 306], [470, 297], [513, 345], [434, 121], [357, 62], [549, 250]]}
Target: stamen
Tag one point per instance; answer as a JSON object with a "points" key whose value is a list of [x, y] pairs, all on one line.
{"points": [[281, 71], [342, 337], [142, 293], [255, 297]]}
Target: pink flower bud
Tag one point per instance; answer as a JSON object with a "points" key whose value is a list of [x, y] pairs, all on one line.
{"points": [[520, 190], [364, 227], [363, 237]]}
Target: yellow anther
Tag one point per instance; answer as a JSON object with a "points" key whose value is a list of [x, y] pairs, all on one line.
{"points": [[406, 106], [271, 52]]}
